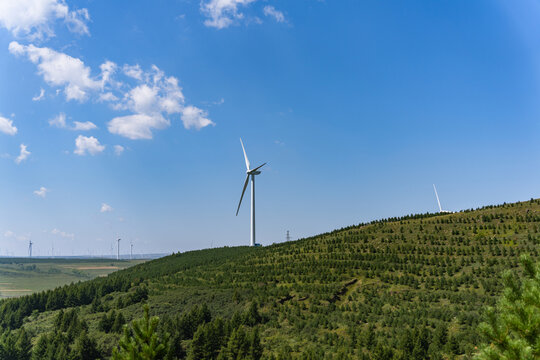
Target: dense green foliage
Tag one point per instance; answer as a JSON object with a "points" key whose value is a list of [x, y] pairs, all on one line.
{"points": [[513, 327], [141, 341], [402, 288]]}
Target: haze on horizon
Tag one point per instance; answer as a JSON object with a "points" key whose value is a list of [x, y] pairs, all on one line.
{"points": [[122, 119]]}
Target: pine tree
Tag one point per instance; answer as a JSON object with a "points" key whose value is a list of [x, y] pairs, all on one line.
{"points": [[8, 343], [142, 342], [40, 349], [255, 347], [512, 328], [119, 322], [85, 348], [175, 351], [23, 346], [237, 346]]}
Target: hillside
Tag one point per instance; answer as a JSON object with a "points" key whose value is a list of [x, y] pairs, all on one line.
{"points": [[411, 287]]}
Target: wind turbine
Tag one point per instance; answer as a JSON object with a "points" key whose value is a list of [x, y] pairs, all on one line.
{"points": [[131, 251], [30, 248], [250, 173], [439, 202], [118, 250]]}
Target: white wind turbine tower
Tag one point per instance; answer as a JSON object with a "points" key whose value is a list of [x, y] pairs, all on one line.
{"points": [[30, 248], [439, 202], [118, 250], [250, 174], [131, 251]]}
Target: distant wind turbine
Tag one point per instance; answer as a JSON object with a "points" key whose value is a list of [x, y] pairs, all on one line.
{"points": [[118, 250], [439, 202], [250, 174], [30, 248]]}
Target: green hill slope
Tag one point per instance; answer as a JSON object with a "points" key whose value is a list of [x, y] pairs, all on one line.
{"points": [[411, 287]]}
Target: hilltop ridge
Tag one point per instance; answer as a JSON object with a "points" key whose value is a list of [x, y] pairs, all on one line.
{"points": [[368, 290]]}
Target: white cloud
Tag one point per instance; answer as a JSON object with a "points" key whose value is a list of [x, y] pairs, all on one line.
{"points": [[107, 96], [40, 96], [138, 126], [155, 96], [23, 155], [10, 234], [106, 208], [150, 96], [34, 18], [108, 68], [133, 71], [63, 234], [87, 145], [58, 121], [76, 21], [222, 13], [271, 11], [42, 192], [6, 126], [59, 69], [193, 117], [118, 150], [84, 126]]}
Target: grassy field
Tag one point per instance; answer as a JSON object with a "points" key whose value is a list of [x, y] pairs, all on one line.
{"points": [[23, 276]]}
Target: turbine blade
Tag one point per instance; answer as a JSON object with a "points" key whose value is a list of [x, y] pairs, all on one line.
{"points": [[245, 156], [242, 196], [258, 167], [437, 195]]}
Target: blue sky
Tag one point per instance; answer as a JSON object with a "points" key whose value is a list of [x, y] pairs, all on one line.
{"points": [[122, 119]]}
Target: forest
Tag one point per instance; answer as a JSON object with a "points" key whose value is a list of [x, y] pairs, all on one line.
{"points": [[414, 287]]}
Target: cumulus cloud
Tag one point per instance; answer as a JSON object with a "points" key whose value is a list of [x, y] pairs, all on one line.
{"points": [[107, 97], [11, 235], [40, 96], [133, 71], [222, 13], [138, 126], [87, 145], [155, 96], [83, 126], [58, 121], [59, 69], [23, 155], [63, 234], [6, 126], [106, 208], [195, 118], [76, 21], [34, 18], [108, 68], [42, 192], [118, 150], [150, 97], [271, 11]]}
